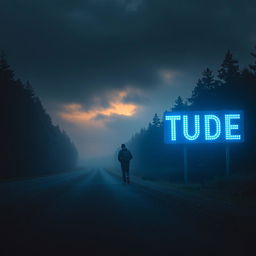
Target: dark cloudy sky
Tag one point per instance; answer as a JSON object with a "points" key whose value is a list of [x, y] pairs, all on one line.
{"points": [[103, 67]]}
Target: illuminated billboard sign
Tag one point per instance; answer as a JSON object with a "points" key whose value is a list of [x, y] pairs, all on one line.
{"points": [[188, 127]]}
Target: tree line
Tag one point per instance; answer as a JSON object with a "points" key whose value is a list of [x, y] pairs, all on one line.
{"points": [[232, 88], [29, 142]]}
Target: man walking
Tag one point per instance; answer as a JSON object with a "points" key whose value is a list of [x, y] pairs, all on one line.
{"points": [[124, 157]]}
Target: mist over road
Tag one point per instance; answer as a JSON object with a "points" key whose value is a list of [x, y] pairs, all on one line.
{"points": [[93, 213]]}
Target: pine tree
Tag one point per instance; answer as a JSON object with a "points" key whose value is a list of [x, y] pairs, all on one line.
{"points": [[29, 90], [6, 72], [179, 104], [207, 80], [3, 62], [156, 121], [229, 70], [253, 66], [202, 93]]}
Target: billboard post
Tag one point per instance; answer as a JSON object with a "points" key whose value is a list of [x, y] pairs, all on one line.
{"points": [[185, 163], [227, 160]]}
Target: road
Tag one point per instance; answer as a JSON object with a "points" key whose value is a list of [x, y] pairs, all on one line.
{"points": [[93, 213]]}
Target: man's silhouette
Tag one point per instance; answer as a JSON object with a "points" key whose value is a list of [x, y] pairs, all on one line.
{"points": [[124, 157]]}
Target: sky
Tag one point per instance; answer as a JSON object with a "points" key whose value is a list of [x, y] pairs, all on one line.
{"points": [[103, 68]]}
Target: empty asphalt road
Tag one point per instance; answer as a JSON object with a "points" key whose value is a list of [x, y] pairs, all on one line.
{"points": [[93, 213]]}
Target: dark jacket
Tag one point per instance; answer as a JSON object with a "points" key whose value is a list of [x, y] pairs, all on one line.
{"points": [[124, 155]]}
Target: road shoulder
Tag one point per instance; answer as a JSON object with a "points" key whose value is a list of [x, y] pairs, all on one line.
{"points": [[197, 200]]}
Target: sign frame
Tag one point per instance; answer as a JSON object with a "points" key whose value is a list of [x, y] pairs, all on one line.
{"points": [[177, 119]]}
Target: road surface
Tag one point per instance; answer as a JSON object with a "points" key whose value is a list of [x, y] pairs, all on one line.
{"points": [[93, 213]]}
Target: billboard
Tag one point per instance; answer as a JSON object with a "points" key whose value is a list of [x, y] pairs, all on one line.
{"points": [[188, 127]]}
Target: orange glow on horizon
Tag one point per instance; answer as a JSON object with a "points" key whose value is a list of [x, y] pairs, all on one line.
{"points": [[76, 114]]}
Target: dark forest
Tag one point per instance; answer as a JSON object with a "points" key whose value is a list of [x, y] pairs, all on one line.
{"points": [[232, 88], [30, 144]]}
